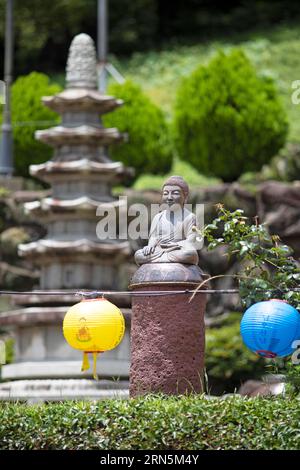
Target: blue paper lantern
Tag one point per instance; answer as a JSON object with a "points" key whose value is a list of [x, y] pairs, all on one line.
{"points": [[269, 328]]}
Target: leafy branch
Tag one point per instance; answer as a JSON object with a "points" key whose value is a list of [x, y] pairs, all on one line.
{"points": [[268, 269]]}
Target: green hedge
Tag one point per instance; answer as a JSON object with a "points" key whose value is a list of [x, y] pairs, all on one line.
{"points": [[228, 120], [154, 422], [149, 148]]}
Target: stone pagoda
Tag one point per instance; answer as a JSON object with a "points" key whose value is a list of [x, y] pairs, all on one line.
{"points": [[71, 256]]}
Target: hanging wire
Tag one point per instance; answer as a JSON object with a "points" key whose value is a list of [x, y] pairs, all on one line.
{"points": [[92, 294], [96, 293]]}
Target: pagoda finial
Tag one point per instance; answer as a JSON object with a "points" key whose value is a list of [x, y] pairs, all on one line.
{"points": [[82, 63]]}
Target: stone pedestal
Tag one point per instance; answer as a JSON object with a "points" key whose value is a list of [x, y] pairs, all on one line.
{"points": [[167, 331]]}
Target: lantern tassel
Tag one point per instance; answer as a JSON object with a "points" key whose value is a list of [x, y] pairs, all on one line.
{"points": [[85, 362], [95, 354]]}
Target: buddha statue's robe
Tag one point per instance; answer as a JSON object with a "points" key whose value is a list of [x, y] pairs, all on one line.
{"points": [[173, 237]]}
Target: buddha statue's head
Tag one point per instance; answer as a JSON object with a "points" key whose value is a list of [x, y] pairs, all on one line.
{"points": [[175, 191]]}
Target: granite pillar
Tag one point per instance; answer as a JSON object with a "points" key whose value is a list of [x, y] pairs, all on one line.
{"points": [[167, 331]]}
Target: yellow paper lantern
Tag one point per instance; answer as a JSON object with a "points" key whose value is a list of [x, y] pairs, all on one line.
{"points": [[93, 326]]}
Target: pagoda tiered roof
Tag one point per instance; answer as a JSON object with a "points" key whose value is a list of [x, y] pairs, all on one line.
{"points": [[55, 169], [79, 135], [49, 205], [81, 99], [67, 249]]}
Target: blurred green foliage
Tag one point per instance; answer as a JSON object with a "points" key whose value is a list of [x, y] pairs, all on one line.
{"points": [[228, 362], [228, 120], [44, 30], [10, 240], [9, 346], [149, 148], [42, 38], [28, 115], [179, 167]]}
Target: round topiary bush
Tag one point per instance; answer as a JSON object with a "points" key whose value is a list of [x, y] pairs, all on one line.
{"points": [[28, 115], [228, 120], [148, 149]]}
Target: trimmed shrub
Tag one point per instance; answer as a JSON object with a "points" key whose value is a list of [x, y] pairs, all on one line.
{"points": [[153, 422], [228, 120], [148, 149], [28, 115]]}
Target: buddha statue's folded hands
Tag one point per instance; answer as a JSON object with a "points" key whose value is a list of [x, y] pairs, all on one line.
{"points": [[148, 250]]}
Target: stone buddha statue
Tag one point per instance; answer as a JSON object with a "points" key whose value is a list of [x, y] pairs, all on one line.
{"points": [[172, 238]]}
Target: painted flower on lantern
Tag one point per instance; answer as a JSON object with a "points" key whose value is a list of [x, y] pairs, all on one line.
{"points": [[83, 333]]}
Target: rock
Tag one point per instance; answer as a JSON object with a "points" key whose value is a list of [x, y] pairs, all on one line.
{"points": [[215, 261], [239, 197], [218, 303], [279, 209], [285, 166], [255, 388], [209, 193], [274, 192]]}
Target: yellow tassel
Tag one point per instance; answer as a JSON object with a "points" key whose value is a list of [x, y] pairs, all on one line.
{"points": [[95, 366], [85, 362]]}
